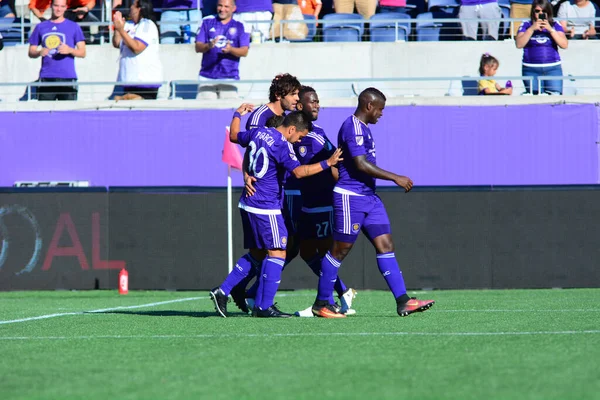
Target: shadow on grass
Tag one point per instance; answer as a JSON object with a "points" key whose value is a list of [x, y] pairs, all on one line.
{"points": [[170, 313]]}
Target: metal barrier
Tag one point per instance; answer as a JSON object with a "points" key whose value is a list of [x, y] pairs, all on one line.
{"points": [[435, 29], [257, 90]]}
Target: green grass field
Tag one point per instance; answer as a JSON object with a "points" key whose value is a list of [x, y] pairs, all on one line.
{"points": [[511, 344]]}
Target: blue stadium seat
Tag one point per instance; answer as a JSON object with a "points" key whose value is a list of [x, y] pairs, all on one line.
{"points": [[312, 29], [186, 92], [442, 4], [470, 88], [383, 27], [504, 29], [427, 29], [10, 35], [343, 27]]}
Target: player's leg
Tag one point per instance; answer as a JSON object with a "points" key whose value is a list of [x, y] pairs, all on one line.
{"points": [[378, 230], [348, 216], [274, 238], [243, 267]]}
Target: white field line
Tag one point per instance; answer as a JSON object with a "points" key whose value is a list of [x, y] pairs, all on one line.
{"points": [[14, 321], [309, 334]]}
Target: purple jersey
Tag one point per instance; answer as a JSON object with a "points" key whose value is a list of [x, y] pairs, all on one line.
{"points": [[243, 6], [314, 148], [541, 50], [355, 140], [51, 35], [183, 4], [259, 117], [270, 157], [215, 63]]}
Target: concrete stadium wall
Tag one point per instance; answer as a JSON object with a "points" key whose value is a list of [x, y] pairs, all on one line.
{"points": [[314, 61]]}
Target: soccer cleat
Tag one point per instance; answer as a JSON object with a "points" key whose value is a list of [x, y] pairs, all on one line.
{"points": [[346, 300], [220, 299], [307, 313], [238, 294], [271, 312], [414, 305], [326, 311]]}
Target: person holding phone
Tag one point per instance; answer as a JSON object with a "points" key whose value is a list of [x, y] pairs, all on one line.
{"points": [[540, 39]]}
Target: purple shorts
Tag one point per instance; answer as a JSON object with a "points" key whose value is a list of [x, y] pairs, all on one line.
{"points": [[355, 213], [292, 206], [262, 231], [315, 223]]}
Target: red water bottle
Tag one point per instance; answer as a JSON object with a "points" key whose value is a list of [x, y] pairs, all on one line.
{"points": [[123, 282]]}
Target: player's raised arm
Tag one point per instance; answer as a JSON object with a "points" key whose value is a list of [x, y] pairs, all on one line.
{"points": [[236, 121], [312, 169]]}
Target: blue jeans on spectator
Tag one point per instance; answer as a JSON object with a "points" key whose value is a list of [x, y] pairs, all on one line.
{"points": [[553, 86], [172, 21]]}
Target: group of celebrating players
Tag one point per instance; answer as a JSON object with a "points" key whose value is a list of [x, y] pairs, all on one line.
{"points": [[304, 196]]}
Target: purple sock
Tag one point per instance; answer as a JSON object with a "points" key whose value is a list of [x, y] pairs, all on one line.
{"points": [[315, 265], [388, 266], [339, 287], [251, 293], [240, 272], [269, 282], [329, 271]]}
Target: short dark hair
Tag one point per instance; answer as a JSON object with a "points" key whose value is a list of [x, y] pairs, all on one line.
{"points": [[282, 85], [299, 120], [274, 121], [146, 9], [304, 90], [368, 95]]}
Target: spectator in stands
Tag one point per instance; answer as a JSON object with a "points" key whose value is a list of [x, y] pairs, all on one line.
{"points": [[1, 42], [518, 9], [540, 38], [80, 11], [488, 65], [288, 10], [7, 9], [58, 41], [222, 41], [578, 19], [251, 12], [311, 7], [391, 6], [480, 9], [39, 10], [366, 8], [177, 16], [139, 60]]}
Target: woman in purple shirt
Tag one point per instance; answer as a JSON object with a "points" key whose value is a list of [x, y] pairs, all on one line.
{"points": [[540, 39]]}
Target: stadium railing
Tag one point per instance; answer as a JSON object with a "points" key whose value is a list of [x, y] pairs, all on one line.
{"points": [[327, 88], [424, 28]]}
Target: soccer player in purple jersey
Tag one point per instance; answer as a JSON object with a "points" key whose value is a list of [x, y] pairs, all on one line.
{"points": [[315, 222], [271, 157], [283, 96], [356, 207]]}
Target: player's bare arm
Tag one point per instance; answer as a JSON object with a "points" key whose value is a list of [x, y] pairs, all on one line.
{"points": [[370, 169], [308, 170], [236, 121]]}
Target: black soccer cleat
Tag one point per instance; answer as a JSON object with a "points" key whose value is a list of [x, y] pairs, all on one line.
{"points": [[238, 294], [220, 299], [271, 312]]}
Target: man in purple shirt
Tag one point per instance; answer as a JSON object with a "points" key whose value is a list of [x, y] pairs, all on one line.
{"points": [[271, 157], [315, 222], [176, 15], [356, 207], [255, 15], [283, 97], [58, 41], [222, 42]]}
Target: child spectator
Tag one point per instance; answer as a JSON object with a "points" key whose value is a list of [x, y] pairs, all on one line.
{"points": [[487, 68]]}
